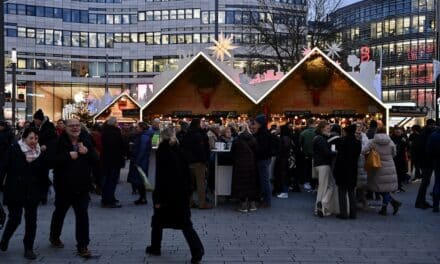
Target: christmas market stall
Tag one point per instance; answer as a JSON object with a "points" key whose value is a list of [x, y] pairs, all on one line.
{"points": [[201, 87], [123, 107], [317, 87]]}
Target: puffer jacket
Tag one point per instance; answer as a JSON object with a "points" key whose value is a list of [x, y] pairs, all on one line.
{"points": [[383, 179]]}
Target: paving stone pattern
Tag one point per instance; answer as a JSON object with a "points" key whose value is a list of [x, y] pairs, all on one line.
{"points": [[286, 233]]}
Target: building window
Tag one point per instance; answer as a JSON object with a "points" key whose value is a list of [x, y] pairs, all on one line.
{"points": [[117, 19], [109, 19], [57, 38], [100, 19], [109, 40], [21, 32], [141, 16], [84, 39], [30, 32], [196, 13], [205, 17], [125, 19], [101, 40], [149, 15], [188, 14], [92, 40], [165, 15], [66, 38], [75, 39], [48, 37], [165, 39], [180, 14]]}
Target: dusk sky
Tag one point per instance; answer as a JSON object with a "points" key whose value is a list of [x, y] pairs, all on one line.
{"points": [[347, 2]]}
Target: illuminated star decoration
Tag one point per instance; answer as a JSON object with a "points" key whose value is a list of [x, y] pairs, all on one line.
{"points": [[306, 51], [222, 47], [333, 50]]}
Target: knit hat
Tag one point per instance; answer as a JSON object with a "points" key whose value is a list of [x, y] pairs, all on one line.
{"points": [[261, 119], [39, 115]]}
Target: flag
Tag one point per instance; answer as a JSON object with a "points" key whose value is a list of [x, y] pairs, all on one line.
{"points": [[436, 71]]}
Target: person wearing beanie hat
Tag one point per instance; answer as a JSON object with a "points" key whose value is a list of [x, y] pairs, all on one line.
{"points": [[264, 156], [345, 171]]}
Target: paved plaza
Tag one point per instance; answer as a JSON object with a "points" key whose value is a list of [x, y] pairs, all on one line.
{"points": [[286, 233]]}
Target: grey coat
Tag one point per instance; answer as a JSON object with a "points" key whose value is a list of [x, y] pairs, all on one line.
{"points": [[383, 179]]}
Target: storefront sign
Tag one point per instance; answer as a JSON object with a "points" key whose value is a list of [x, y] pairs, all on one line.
{"points": [[344, 112], [409, 110], [130, 112], [224, 113], [297, 113], [182, 113]]}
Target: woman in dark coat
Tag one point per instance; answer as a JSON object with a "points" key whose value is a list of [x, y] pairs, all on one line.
{"points": [[245, 180], [140, 157], [283, 163], [24, 172], [346, 170], [171, 197]]}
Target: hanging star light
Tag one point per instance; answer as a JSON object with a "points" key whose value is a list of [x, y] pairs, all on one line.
{"points": [[306, 51], [222, 47], [333, 50]]}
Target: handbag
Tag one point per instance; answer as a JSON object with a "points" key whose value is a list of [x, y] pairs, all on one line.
{"points": [[372, 162], [148, 186]]}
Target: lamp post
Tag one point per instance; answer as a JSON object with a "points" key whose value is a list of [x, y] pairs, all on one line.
{"points": [[2, 59], [14, 84]]}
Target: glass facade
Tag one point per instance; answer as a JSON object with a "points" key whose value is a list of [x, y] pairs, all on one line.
{"points": [[403, 31], [74, 46]]}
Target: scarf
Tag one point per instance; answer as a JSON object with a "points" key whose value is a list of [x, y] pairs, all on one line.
{"points": [[30, 153]]}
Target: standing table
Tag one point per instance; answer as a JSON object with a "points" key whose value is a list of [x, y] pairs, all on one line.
{"points": [[223, 176]]}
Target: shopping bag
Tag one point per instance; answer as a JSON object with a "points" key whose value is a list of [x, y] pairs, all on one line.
{"points": [[372, 161], [148, 186]]}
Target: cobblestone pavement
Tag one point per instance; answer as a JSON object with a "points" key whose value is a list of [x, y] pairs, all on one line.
{"points": [[286, 233]]}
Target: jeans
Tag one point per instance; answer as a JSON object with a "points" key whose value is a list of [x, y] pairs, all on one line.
{"points": [[263, 171], [386, 198], [111, 178], [436, 191], [80, 204], [14, 220], [426, 179]]}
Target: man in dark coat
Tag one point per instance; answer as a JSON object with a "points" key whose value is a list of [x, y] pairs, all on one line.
{"points": [[196, 147], [6, 141], [425, 163], [401, 155], [47, 137], [346, 170], [433, 149], [171, 197], [264, 157], [73, 159], [112, 160], [415, 160]]}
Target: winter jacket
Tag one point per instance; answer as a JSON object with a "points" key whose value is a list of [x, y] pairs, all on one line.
{"points": [[22, 178], [421, 146], [140, 157], [245, 181], [113, 149], [264, 139], [306, 141], [383, 179], [400, 160], [362, 173], [72, 177], [196, 146], [173, 188], [322, 154], [346, 170], [433, 146]]}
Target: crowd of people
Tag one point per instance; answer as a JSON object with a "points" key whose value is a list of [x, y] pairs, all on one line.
{"points": [[326, 159]]}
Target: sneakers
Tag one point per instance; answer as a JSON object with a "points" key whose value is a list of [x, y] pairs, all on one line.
{"points": [[253, 207], [84, 252], [30, 254], [283, 195], [307, 186], [56, 243], [243, 207], [152, 251]]}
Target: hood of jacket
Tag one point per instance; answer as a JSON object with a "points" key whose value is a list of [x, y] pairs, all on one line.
{"points": [[382, 139]]}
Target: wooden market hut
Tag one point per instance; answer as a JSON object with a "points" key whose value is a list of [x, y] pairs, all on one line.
{"points": [[200, 87], [317, 86], [123, 107]]}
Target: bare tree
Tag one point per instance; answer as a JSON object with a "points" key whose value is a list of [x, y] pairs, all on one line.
{"points": [[320, 29], [282, 32], [283, 29]]}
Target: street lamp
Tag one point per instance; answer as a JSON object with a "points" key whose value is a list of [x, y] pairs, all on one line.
{"points": [[14, 84]]}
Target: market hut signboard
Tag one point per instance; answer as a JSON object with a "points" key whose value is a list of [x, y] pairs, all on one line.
{"points": [[321, 86]]}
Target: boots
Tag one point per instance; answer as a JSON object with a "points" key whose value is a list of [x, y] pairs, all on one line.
{"points": [[396, 205], [383, 210]]}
